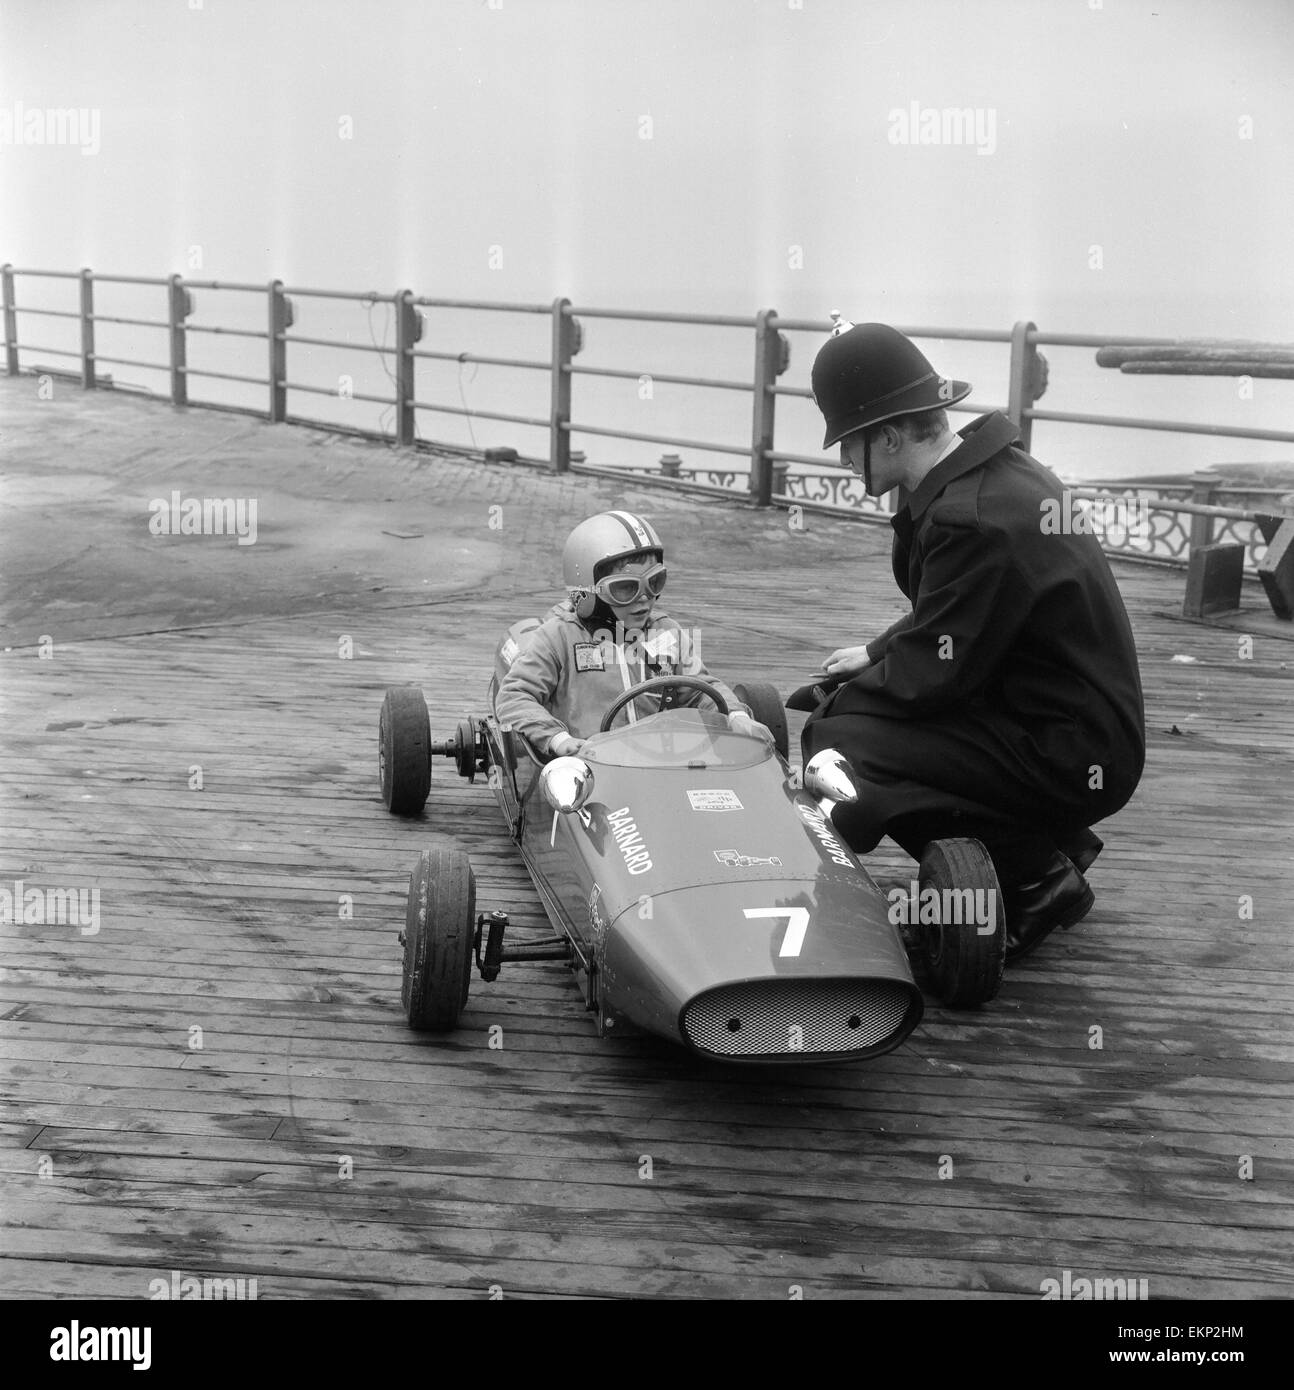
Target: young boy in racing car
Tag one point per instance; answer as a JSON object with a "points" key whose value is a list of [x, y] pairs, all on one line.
{"points": [[606, 637]]}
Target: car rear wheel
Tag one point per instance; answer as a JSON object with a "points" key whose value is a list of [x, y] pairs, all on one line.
{"points": [[439, 927], [404, 750], [766, 706], [965, 948]]}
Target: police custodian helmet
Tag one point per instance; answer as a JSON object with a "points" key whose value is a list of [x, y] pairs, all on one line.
{"points": [[872, 372]]}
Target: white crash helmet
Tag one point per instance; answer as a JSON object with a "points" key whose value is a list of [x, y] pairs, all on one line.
{"points": [[597, 543]]}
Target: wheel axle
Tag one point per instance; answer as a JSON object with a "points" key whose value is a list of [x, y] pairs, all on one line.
{"points": [[491, 952]]}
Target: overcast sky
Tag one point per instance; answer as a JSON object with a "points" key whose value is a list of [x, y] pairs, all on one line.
{"points": [[1128, 168]]}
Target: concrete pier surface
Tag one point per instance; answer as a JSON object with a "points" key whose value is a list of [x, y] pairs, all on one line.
{"points": [[213, 1075]]}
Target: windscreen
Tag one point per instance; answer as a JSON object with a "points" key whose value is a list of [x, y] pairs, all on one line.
{"points": [[679, 738]]}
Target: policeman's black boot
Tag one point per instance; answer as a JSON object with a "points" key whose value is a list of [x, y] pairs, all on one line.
{"points": [[1059, 897]]}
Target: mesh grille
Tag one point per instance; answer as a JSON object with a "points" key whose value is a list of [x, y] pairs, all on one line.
{"points": [[761, 1018]]}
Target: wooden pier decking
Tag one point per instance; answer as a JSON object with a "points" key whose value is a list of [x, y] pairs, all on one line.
{"points": [[220, 1082]]}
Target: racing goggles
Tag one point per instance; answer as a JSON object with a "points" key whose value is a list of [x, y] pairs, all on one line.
{"points": [[624, 589]]}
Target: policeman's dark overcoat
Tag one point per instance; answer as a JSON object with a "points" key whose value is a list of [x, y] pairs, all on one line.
{"points": [[1009, 696]]}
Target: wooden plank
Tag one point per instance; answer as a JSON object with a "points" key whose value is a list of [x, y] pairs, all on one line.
{"points": [[44, 1278], [298, 1156], [633, 1258]]}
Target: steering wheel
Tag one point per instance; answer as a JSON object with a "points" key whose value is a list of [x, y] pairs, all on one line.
{"points": [[662, 684]]}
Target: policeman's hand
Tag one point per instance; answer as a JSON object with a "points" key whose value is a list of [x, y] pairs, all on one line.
{"points": [[845, 662], [742, 723], [565, 745]]}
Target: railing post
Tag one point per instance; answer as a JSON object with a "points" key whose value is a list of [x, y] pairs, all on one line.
{"points": [[1025, 374], [565, 346], [408, 331], [10, 321], [768, 353], [280, 321], [87, 328], [180, 304], [1203, 485]]}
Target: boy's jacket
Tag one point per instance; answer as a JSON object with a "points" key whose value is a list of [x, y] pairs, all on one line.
{"points": [[564, 680]]}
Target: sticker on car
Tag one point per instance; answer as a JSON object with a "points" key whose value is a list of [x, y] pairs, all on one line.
{"points": [[714, 799], [734, 859]]}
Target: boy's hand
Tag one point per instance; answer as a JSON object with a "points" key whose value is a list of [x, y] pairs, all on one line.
{"points": [[845, 662], [742, 723], [565, 745]]}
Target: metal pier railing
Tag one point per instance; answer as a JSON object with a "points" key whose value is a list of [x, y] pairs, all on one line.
{"points": [[1172, 520]]}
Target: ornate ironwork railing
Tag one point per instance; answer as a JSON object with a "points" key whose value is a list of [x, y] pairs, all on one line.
{"points": [[1139, 522]]}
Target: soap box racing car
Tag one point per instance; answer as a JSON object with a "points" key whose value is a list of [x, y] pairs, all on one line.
{"points": [[693, 881]]}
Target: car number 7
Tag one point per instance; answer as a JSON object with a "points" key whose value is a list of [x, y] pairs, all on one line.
{"points": [[797, 924]]}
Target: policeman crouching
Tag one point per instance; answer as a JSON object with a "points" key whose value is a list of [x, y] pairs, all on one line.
{"points": [[1006, 705]]}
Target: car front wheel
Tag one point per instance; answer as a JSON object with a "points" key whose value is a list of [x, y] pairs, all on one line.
{"points": [[965, 948], [439, 930]]}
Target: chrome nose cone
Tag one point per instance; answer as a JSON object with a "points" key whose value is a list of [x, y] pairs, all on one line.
{"points": [[566, 783], [828, 775]]}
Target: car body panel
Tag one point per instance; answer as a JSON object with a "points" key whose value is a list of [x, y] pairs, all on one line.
{"points": [[696, 940]]}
